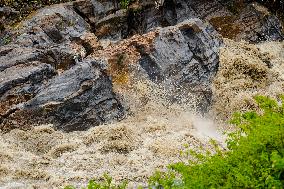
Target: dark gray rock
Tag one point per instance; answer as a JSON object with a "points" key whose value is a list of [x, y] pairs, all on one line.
{"points": [[12, 55], [109, 21], [33, 73], [204, 10], [100, 14], [94, 10], [259, 25], [44, 79], [78, 99], [113, 26], [47, 78], [248, 21], [184, 58], [243, 21], [57, 24]]}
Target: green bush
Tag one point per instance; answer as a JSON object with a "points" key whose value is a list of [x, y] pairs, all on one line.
{"points": [[105, 184], [255, 158], [124, 4]]}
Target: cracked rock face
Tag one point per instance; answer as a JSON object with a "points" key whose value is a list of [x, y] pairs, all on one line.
{"points": [[46, 79], [79, 98], [49, 74], [184, 58], [245, 21]]}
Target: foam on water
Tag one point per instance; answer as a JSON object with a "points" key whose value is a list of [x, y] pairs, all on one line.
{"points": [[150, 137]]}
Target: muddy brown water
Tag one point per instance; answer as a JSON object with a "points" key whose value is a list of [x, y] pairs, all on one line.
{"points": [[148, 139]]}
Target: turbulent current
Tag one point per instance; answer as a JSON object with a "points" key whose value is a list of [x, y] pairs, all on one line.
{"points": [[151, 136]]}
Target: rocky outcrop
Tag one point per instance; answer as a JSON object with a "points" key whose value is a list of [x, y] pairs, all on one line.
{"points": [[78, 99], [181, 59], [252, 22], [238, 20], [60, 65], [52, 76], [45, 78], [184, 58], [234, 20]]}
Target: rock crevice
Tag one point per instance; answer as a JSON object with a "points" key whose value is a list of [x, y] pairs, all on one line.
{"points": [[61, 64]]}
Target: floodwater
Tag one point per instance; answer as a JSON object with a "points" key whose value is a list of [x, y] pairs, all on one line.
{"points": [[152, 135]]}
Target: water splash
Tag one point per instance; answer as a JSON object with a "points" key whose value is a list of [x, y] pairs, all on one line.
{"points": [[152, 135]]}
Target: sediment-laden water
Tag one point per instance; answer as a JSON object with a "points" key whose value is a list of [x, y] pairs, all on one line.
{"points": [[151, 136]]}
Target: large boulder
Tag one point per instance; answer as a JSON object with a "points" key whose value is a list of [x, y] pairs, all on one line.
{"points": [[54, 69], [54, 25], [180, 59], [45, 77], [184, 58], [78, 99]]}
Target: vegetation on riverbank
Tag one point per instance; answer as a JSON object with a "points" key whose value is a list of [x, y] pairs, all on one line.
{"points": [[254, 159]]}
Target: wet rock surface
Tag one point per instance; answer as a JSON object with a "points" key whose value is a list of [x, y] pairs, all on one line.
{"points": [[57, 66], [248, 21], [45, 78], [78, 99], [184, 58], [234, 19], [253, 23], [136, 76]]}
